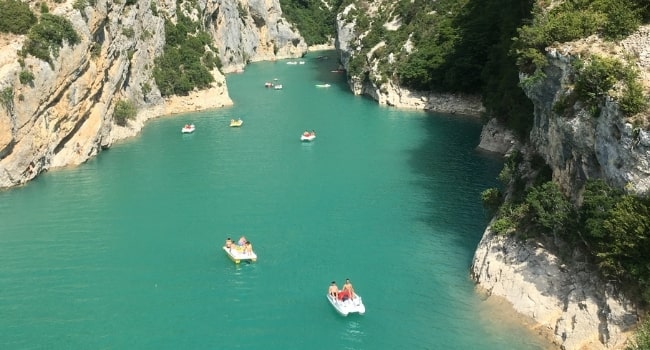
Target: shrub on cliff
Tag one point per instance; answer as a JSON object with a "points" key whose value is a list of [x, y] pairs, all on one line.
{"points": [[26, 77], [47, 37], [598, 78], [641, 338], [124, 111], [16, 17], [185, 63], [315, 22], [492, 199], [572, 20]]}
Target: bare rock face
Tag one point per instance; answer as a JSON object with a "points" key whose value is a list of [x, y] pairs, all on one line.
{"points": [[606, 146], [497, 138], [65, 116], [250, 31], [570, 303]]}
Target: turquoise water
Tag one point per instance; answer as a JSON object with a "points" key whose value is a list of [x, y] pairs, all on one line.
{"points": [[124, 251]]}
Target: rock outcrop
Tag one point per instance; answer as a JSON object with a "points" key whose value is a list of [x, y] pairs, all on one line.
{"points": [[496, 138], [568, 300], [386, 92], [259, 34], [65, 115], [607, 146]]}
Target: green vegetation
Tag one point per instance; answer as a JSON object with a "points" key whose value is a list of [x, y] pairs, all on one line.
{"points": [[80, 4], [316, 23], [26, 77], [16, 17], [641, 338], [571, 20], [7, 98], [492, 199], [128, 32], [458, 46], [47, 37], [124, 111], [597, 79], [185, 63], [611, 227]]}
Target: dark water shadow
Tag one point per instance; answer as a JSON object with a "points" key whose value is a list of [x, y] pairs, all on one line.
{"points": [[452, 173]]}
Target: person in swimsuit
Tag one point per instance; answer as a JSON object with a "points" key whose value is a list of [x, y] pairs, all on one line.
{"points": [[348, 288], [248, 248], [228, 243], [333, 290]]}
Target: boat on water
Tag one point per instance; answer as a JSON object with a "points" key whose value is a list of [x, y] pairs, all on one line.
{"points": [[307, 136], [348, 306], [278, 86], [292, 62], [188, 129], [237, 254], [323, 85], [236, 123]]}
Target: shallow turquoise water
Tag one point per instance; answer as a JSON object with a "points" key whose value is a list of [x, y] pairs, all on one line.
{"points": [[124, 251]]}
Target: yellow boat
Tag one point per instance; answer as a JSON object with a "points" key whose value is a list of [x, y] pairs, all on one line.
{"points": [[236, 254], [236, 123]]}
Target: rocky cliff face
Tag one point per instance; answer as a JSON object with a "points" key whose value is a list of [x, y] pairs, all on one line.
{"points": [[607, 146], [572, 306], [568, 300], [348, 42], [258, 34], [65, 115]]}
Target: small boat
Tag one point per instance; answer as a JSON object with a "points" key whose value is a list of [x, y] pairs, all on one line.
{"points": [[236, 254], [292, 62], [268, 84], [348, 306], [307, 136], [236, 123], [301, 62], [277, 86], [323, 85], [188, 129]]}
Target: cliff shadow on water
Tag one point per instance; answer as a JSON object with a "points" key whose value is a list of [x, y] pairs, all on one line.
{"points": [[452, 173]]}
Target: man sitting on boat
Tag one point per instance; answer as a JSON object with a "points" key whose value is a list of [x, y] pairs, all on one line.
{"points": [[248, 248], [348, 289], [228, 243], [333, 290]]}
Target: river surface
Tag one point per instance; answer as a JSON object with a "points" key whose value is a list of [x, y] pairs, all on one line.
{"points": [[124, 252]]}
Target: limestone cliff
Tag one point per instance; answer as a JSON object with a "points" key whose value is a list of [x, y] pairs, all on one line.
{"points": [[570, 304], [568, 299], [258, 34], [65, 115], [386, 92]]}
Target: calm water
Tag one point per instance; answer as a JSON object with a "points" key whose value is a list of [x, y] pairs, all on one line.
{"points": [[124, 252]]}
